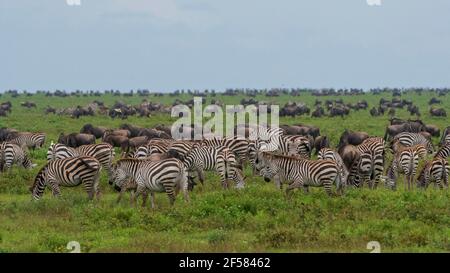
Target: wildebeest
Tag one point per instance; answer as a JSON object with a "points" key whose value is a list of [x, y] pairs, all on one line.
{"points": [[433, 130], [28, 104], [349, 154], [49, 110], [321, 142], [136, 142], [120, 141], [8, 133], [318, 112], [374, 112], [152, 133], [399, 126], [75, 140], [95, 131], [353, 138], [301, 129], [434, 101], [439, 112]]}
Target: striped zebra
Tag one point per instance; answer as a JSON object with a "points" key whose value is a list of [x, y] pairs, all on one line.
{"points": [[154, 146], [369, 165], [168, 175], [443, 152], [294, 145], [406, 161], [68, 172], [408, 139], [11, 154], [329, 154], [238, 146], [436, 170], [445, 140], [220, 159], [103, 152], [29, 140], [298, 172], [180, 148]]}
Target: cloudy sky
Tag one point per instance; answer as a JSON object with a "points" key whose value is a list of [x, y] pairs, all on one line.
{"points": [[165, 45]]}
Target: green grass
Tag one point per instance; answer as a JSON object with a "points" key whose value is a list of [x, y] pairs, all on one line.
{"points": [[256, 219]]}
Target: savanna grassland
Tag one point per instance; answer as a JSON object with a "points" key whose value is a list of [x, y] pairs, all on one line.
{"points": [[256, 219]]}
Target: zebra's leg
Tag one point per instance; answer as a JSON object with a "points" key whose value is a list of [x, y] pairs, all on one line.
{"points": [[152, 199], [293, 185], [305, 189], [139, 190], [438, 182], [144, 198], [201, 176], [54, 187]]}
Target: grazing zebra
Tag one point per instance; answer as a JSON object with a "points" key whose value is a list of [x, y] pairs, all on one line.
{"points": [[180, 148], [443, 152], [68, 172], [103, 152], [406, 161], [29, 140], [329, 154], [298, 172], [411, 139], [369, 165], [11, 154], [221, 159], [168, 175], [445, 140], [154, 146], [288, 145], [238, 146], [437, 170]]}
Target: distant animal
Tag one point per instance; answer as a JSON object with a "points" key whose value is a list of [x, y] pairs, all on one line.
{"points": [[75, 139]]}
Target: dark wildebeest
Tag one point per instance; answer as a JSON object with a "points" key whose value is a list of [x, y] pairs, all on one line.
{"points": [[95, 131], [152, 133], [321, 142], [374, 112], [318, 112], [434, 101], [134, 130], [120, 141], [164, 128], [353, 138], [8, 134], [75, 139], [49, 110], [349, 154], [301, 129], [440, 112], [433, 130], [137, 142], [399, 126]]}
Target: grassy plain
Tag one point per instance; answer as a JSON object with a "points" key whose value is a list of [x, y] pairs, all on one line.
{"points": [[256, 219]]}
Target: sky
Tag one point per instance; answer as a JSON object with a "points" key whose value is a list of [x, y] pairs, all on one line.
{"points": [[164, 45]]}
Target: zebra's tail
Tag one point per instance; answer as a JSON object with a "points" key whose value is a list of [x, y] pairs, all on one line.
{"points": [[445, 170], [184, 181]]}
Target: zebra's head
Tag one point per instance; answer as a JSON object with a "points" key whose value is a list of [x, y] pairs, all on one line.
{"points": [[38, 187], [118, 176], [262, 166]]}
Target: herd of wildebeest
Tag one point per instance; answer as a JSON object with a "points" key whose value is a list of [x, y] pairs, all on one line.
{"points": [[151, 160]]}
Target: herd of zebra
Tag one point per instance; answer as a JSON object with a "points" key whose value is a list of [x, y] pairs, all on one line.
{"points": [[168, 165]]}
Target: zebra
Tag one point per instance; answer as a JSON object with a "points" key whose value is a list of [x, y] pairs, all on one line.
{"points": [[445, 140], [103, 152], [436, 170], [369, 165], [329, 154], [238, 146], [443, 152], [11, 153], [168, 175], [221, 159], [29, 140], [154, 146], [288, 145], [410, 139], [68, 172], [298, 172], [180, 148], [406, 161]]}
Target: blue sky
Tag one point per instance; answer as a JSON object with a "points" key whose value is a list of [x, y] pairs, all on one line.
{"points": [[163, 45]]}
